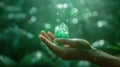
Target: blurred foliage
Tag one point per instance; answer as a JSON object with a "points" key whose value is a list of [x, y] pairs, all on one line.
{"points": [[6, 61], [97, 21]]}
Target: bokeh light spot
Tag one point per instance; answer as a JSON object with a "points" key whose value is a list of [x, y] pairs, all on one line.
{"points": [[33, 10], [62, 6], [101, 23], [75, 20], [47, 26], [98, 43], [33, 19]]}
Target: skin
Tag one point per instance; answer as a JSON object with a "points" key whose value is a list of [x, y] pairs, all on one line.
{"points": [[78, 49]]}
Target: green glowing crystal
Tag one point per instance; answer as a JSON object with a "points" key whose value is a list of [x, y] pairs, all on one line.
{"points": [[61, 31]]}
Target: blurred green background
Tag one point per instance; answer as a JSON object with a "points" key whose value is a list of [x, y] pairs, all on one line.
{"points": [[21, 21]]}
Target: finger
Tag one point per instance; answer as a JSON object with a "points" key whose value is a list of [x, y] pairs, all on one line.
{"points": [[51, 35], [45, 35], [56, 49]]}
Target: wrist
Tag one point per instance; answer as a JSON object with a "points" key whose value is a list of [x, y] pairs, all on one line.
{"points": [[103, 59], [93, 55]]}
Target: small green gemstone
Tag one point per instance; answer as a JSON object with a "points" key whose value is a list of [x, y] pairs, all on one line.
{"points": [[61, 31]]}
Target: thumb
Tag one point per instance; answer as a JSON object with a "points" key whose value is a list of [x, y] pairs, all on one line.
{"points": [[77, 43], [71, 42]]}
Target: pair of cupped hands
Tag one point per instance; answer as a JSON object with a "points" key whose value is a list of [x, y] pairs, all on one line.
{"points": [[70, 49]]}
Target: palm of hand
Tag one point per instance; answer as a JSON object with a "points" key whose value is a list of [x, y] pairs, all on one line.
{"points": [[75, 49]]}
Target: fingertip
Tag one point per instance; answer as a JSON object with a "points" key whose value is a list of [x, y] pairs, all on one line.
{"points": [[50, 33], [40, 35], [42, 31]]}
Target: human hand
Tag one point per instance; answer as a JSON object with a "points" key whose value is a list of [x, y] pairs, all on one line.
{"points": [[72, 48]]}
